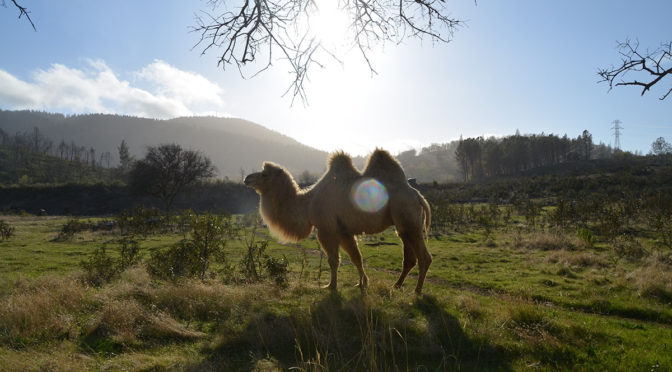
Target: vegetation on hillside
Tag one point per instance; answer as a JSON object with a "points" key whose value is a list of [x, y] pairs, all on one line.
{"points": [[234, 145]]}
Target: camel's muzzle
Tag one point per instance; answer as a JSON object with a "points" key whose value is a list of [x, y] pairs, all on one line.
{"points": [[251, 179]]}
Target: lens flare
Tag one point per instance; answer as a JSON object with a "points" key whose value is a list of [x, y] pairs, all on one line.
{"points": [[369, 195]]}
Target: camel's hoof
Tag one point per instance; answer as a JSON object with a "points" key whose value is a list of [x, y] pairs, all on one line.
{"points": [[397, 286], [362, 284]]}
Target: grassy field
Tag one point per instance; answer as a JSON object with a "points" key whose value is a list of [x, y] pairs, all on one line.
{"points": [[514, 297]]}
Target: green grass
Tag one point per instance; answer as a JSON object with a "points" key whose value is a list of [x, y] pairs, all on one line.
{"points": [[517, 301]]}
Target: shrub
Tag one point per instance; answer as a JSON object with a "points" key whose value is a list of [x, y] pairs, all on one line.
{"points": [[252, 262], [193, 256], [277, 269], [628, 247], [587, 237], [179, 260], [129, 253], [72, 227], [6, 230], [663, 225], [143, 221], [100, 268]]}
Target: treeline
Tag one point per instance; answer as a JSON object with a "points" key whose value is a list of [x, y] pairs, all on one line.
{"points": [[480, 158], [30, 157], [108, 199]]}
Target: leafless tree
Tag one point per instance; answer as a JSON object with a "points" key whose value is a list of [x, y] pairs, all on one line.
{"points": [[23, 11], [254, 32], [168, 169], [651, 66]]}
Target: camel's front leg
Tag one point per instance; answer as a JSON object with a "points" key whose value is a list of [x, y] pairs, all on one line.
{"points": [[329, 243], [349, 244]]}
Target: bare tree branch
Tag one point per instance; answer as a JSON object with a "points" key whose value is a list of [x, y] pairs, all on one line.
{"points": [[652, 66], [251, 32], [23, 11]]}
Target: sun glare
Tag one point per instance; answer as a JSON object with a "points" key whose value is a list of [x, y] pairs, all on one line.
{"points": [[329, 24]]}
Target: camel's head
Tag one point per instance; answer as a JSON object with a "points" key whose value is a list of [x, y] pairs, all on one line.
{"points": [[272, 176]]}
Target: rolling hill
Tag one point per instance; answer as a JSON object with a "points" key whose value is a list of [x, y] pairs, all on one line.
{"points": [[234, 145]]}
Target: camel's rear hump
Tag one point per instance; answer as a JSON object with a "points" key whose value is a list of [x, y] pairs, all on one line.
{"points": [[382, 166]]}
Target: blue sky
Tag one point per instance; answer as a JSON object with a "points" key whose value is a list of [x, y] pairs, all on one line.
{"points": [[518, 65]]}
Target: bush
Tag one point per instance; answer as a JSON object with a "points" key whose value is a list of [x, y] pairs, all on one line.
{"points": [[628, 247], [129, 253], [6, 230], [72, 227], [193, 256], [143, 221], [100, 268], [587, 237], [252, 262], [177, 261], [277, 269]]}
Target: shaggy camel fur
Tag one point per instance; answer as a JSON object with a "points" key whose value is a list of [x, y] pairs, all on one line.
{"points": [[330, 207]]}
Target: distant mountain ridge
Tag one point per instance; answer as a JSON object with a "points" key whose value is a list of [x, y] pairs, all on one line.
{"points": [[234, 145]]}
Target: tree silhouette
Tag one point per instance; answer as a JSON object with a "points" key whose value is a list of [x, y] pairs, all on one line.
{"points": [[651, 66], [260, 29], [661, 147], [166, 170], [23, 11], [125, 158]]}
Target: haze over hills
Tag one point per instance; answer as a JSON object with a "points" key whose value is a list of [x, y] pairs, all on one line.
{"points": [[232, 144]]}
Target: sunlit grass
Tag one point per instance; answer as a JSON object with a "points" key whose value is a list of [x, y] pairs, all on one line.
{"points": [[535, 300]]}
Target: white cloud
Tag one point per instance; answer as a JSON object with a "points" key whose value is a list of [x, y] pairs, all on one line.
{"points": [[173, 92]]}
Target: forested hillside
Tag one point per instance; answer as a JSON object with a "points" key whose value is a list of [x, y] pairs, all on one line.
{"points": [[233, 145], [237, 147]]}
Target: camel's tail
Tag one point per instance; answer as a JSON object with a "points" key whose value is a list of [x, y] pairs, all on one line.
{"points": [[428, 213]]}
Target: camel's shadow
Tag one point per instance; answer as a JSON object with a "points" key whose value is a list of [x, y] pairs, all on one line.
{"points": [[338, 333]]}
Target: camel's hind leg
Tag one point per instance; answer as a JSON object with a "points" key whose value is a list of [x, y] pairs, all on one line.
{"points": [[349, 244], [329, 243], [424, 260], [415, 248], [409, 260]]}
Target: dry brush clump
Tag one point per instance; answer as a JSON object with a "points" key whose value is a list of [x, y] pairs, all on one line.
{"points": [[127, 322], [654, 279], [42, 309], [574, 259], [551, 241], [124, 313], [197, 300]]}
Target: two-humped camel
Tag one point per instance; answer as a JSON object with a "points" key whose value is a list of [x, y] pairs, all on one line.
{"points": [[345, 203]]}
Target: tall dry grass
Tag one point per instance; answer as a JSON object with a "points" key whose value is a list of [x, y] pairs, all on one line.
{"points": [[41, 309], [549, 241], [575, 259], [654, 279]]}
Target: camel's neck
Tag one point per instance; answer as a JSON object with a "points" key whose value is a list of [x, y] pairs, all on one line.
{"points": [[286, 213]]}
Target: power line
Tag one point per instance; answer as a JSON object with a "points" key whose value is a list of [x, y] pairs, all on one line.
{"points": [[617, 134]]}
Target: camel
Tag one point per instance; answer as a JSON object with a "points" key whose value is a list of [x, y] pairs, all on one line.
{"points": [[345, 203]]}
